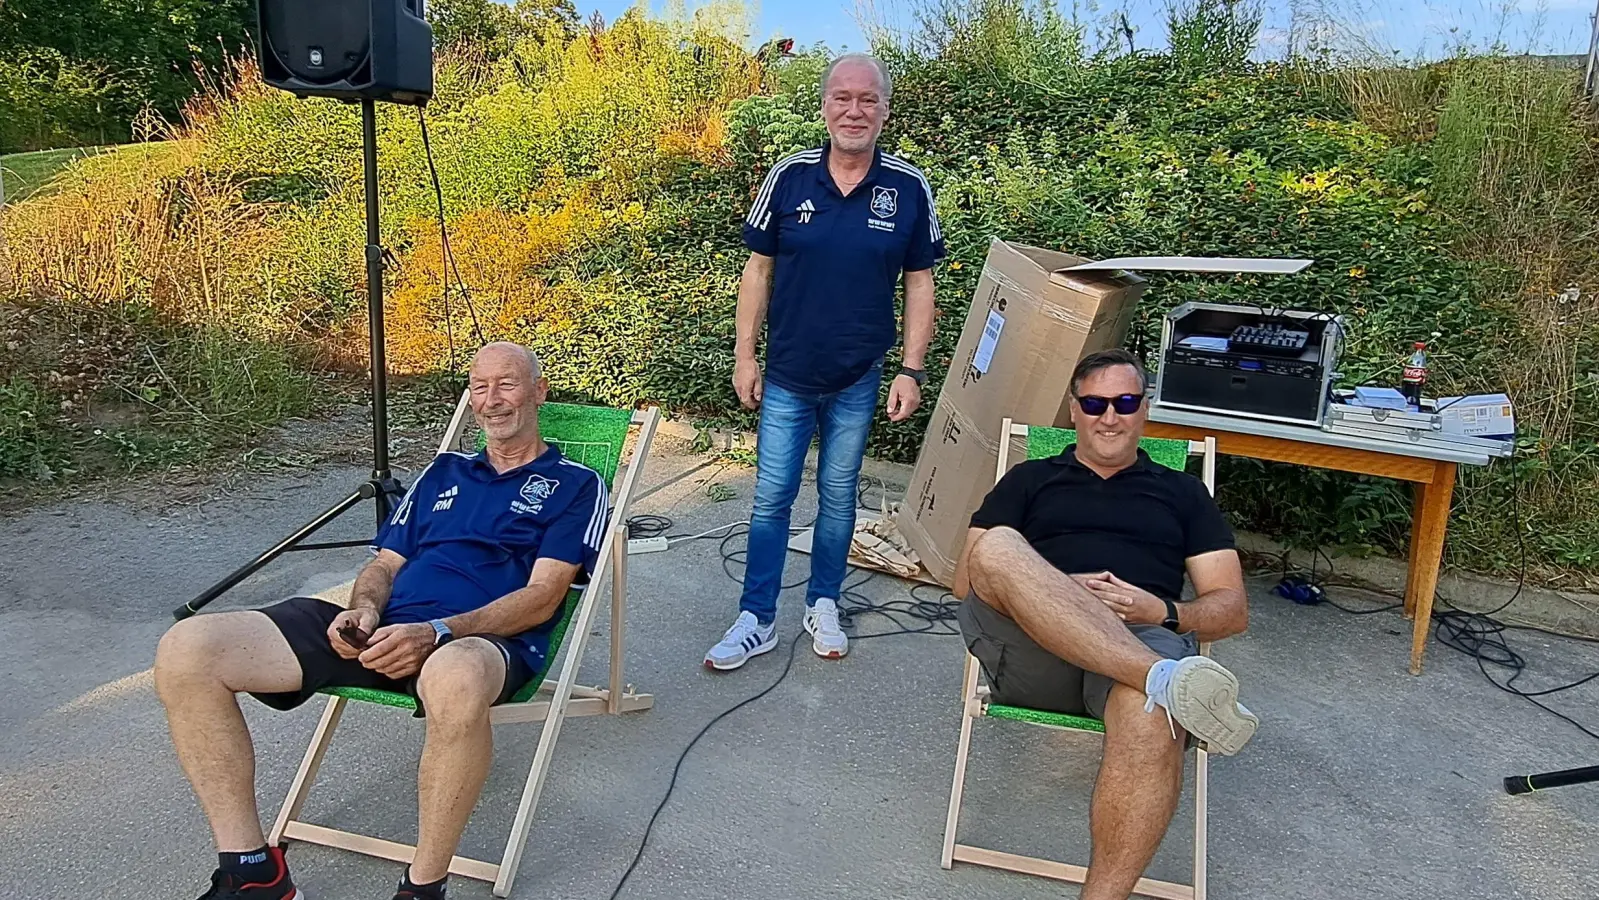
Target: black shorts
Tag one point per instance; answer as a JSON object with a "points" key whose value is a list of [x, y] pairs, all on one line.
{"points": [[304, 622], [1021, 673]]}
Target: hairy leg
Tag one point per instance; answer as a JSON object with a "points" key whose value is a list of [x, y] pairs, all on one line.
{"points": [[458, 686], [1140, 780], [200, 664], [1054, 610]]}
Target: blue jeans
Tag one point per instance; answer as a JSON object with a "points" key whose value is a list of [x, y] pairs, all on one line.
{"points": [[788, 421]]}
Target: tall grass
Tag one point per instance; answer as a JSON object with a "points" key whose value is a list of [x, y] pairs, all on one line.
{"points": [[1509, 147], [593, 186], [1209, 36]]}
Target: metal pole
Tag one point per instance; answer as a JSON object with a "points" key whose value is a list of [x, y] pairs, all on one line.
{"points": [[1526, 784], [364, 492], [1590, 78], [374, 301]]}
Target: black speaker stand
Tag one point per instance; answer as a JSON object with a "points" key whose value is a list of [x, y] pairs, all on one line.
{"points": [[382, 486], [1526, 784]]}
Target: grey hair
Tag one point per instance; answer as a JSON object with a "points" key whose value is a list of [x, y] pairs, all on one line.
{"points": [[883, 79]]}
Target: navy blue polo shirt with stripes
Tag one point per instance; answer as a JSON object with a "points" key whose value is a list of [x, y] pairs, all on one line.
{"points": [[838, 261], [470, 535]]}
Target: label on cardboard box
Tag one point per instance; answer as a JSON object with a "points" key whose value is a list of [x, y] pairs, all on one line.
{"points": [[985, 347]]}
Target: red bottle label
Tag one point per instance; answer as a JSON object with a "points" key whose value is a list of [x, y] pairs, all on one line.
{"points": [[1415, 374]]}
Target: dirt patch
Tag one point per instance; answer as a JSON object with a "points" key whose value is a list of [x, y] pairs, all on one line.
{"points": [[341, 436]]}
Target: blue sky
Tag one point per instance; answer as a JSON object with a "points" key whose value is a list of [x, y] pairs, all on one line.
{"points": [[1412, 29]]}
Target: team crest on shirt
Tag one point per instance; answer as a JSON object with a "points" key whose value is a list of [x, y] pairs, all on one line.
{"points": [[537, 490], [885, 201]]}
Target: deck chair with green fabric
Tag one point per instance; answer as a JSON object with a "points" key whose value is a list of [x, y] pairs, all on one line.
{"points": [[594, 436], [1044, 442]]}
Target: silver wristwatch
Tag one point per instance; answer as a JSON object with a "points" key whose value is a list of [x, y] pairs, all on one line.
{"points": [[441, 633]]}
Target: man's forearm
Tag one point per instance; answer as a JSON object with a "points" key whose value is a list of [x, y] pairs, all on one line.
{"points": [[512, 614], [372, 587], [918, 318], [754, 292], [1217, 614]]}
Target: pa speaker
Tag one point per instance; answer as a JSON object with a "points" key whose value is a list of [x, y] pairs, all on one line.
{"points": [[349, 49]]}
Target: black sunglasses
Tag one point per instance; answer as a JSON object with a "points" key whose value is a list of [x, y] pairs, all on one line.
{"points": [[1126, 404]]}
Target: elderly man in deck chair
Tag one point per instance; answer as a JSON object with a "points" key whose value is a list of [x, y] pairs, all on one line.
{"points": [[1071, 573], [454, 608]]}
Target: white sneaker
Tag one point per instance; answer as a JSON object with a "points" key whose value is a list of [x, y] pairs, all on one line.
{"points": [[745, 639], [1202, 696], [827, 639]]}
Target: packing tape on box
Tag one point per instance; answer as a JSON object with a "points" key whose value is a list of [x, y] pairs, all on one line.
{"points": [[993, 273]]}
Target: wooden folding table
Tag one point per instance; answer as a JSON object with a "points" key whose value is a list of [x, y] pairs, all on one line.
{"points": [[1430, 466]]}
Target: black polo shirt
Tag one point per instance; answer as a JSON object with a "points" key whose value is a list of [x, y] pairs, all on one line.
{"points": [[1143, 523]]}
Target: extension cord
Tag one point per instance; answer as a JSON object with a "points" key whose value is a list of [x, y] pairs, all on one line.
{"points": [[646, 545]]}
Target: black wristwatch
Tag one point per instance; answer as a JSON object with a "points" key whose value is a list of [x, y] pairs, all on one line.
{"points": [[1170, 624], [917, 375]]}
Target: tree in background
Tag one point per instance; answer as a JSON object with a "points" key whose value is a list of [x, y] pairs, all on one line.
{"points": [[493, 28], [79, 71]]}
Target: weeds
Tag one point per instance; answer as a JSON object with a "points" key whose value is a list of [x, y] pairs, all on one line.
{"points": [[593, 185]]}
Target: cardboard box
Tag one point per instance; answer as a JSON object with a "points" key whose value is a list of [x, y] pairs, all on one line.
{"points": [[1479, 415], [1035, 314], [954, 472], [1030, 322]]}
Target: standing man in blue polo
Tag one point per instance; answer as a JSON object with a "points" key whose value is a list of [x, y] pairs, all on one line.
{"points": [[830, 233]]}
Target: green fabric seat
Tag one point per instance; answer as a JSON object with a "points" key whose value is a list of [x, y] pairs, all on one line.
{"points": [[1040, 717], [1041, 444], [591, 435]]}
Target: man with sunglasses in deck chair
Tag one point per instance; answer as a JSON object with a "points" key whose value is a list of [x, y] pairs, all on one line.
{"points": [[455, 608], [1071, 572]]}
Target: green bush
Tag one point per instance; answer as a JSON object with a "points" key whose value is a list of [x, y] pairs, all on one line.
{"points": [[29, 448], [593, 187], [48, 100], [76, 72]]}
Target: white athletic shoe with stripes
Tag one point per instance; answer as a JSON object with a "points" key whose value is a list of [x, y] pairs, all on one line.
{"points": [[827, 639], [745, 639]]}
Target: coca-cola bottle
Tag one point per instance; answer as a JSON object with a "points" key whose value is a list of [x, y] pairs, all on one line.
{"points": [[1415, 375]]}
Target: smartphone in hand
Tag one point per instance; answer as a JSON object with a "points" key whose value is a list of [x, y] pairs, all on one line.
{"points": [[354, 636]]}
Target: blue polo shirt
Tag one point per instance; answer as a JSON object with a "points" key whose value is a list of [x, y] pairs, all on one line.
{"points": [[838, 261], [470, 535]]}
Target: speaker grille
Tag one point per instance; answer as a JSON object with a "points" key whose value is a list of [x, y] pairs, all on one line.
{"points": [[321, 42]]}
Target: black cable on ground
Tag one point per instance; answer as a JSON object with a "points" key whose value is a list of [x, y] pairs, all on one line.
{"points": [[1482, 637], [1479, 635], [936, 616], [648, 526], [671, 785]]}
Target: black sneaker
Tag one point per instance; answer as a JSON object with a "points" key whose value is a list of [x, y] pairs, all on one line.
{"points": [[227, 886], [409, 891]]}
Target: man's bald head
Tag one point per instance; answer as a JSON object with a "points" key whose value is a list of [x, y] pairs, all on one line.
{"points": [[507, 387], [511, 352]]}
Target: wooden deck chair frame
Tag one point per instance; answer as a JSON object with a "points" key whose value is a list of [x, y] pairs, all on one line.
{"points": [[551, 704], [975, 704]]}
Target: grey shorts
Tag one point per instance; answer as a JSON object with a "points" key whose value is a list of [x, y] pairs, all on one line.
{"points": [[1021, 673]]}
